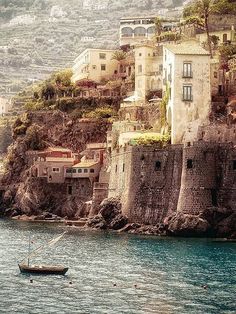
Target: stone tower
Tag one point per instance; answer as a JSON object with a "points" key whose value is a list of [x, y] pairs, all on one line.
{"points": [[199, 179]]}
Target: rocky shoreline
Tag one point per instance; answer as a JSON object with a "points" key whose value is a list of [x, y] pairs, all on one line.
{"points": [[110, 217]]}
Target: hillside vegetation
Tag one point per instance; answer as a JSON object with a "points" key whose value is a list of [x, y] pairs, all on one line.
{"points": [[41, 36]]}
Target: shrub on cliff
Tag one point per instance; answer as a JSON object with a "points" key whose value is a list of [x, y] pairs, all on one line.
{"points": [[101, 113], [20, 126], [35, 138], [151, 139]]}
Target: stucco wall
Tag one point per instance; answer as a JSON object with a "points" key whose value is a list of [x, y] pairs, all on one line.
{"points": [[91, 59], [185, 114], [150, 78]]}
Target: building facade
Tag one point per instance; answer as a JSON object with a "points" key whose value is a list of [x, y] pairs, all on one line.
{"points": [[186, 77], [148, 70], [94, 64], [134, 30]]}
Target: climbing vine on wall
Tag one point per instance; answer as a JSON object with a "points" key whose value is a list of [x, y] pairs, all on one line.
{"points": [[163, 107]]}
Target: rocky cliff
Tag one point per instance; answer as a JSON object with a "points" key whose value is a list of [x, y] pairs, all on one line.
{"points": [[35, 131]]}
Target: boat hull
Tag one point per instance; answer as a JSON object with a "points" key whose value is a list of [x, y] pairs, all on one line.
{"points": [[43, 270]]}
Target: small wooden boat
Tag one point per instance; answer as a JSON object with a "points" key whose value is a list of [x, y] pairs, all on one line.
{"points": [[42, 269]]}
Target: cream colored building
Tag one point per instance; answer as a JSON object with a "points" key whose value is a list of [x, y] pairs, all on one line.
{"points": [[5, 105], [148, 70], [223, 35], [94, 64], [186, 75], [134, 30]]}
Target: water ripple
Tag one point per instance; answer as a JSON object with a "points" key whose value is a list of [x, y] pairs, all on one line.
{"points": [[118, 274]]}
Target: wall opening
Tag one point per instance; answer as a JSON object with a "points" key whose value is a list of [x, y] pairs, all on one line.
{"points": [[158, 165], [214, 197], [70, 189], [189, 164], [234, 164]]}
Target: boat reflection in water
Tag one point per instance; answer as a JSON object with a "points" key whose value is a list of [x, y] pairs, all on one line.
{"points": [[42, 269]]}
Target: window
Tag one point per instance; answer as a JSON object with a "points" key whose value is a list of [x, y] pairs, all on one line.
{"points": [[215, 74], [140, 55], [103, 67], [123, 167], [158, 165], [92, 171], [189, 164], [70, 189], [85, 170], [187, 69], [187, 93], [94, 67], [140, 68], [102, 56], [79, 170], [68, 170], [116, 168], [234, 164], [225, 38], [214, 197], [57, 170], [161, 67]]}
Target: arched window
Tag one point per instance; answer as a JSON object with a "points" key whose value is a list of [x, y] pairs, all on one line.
{"points": [[140, 32], [151, 30], [127, 32]]}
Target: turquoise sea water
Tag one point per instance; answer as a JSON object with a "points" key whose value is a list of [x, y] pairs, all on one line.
{"points": [[168, 273]]}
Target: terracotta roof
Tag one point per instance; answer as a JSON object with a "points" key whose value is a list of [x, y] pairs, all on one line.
{"points": [[86, 164], [188, 48]]}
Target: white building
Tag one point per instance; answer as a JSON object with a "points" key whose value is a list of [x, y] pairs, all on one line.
{"points": [[25, 19], [87, 39], [148, 70], [5, 106], [186, 76], [95, 4], [94, 64], [134, 30]]}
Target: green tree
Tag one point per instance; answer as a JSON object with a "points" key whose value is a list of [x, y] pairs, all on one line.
{"points": [[119, 55], [48, 91], [158, 25], [202, 9], [63, 77]]}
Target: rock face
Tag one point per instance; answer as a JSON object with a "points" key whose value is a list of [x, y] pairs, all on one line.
{"points": [[214, 221], [188, 225], [32, 196], [109, 216]]}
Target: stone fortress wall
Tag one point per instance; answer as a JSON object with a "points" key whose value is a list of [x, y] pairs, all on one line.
{"points": [[154, 182]]}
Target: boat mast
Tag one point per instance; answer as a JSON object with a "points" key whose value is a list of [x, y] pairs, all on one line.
{"points": [[29, 250]]}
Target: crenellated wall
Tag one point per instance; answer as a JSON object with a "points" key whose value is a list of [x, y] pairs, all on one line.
{"points": [[154, 182]]}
